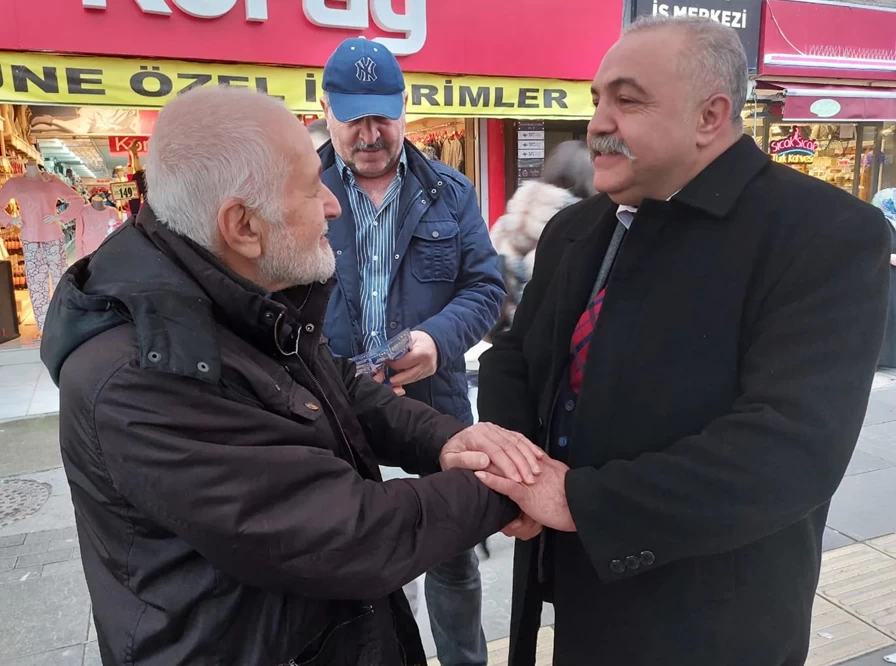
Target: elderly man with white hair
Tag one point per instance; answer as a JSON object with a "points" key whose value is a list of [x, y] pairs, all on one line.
{"points": [[223, 464]]}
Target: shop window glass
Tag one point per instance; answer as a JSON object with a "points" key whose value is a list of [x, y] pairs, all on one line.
{"points": [[888, 158], [823, 151], [868, 171]]}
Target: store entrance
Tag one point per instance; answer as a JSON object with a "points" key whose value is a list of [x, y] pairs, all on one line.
{"points": [[521, 163], [66, 182], [451, 141]]}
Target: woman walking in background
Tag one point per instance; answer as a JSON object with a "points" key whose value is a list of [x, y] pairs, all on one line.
{"points": [[567, 178]]}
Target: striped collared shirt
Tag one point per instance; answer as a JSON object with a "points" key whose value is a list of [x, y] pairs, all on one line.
{"points": [[375, 240]]}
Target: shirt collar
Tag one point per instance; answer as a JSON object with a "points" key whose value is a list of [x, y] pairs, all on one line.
{"points": [[626, 214], [349, 177]]}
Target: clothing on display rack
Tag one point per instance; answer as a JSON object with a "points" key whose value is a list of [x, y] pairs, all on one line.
{"points": [[453, 151], [43, 241], [36, 195], [447, 147], [96, 222], [44, 266]]}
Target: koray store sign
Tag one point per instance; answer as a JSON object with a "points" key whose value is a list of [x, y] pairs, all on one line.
{"points": [[744, 16], [497, 38], [411, 24]]}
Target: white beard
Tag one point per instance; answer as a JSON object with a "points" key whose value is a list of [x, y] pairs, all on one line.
{"points": [[288, 262]]}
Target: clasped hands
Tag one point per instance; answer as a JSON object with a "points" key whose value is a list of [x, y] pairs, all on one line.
{"points": [[510, 464]]}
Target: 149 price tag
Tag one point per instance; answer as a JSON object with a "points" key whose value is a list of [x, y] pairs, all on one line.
{"points": [[124, 191]]}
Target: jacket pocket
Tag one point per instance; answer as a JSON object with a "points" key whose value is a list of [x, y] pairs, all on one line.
{"points": [[435, 255], [350, 642]]}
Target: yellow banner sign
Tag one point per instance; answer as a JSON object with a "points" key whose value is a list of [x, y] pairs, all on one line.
{"points": [[46, 78]]}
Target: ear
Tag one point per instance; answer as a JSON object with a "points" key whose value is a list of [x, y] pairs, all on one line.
{"points": [[715, 117], [240, 229]]}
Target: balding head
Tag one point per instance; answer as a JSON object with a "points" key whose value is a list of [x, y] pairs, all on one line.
{"points": [[235, 171]]}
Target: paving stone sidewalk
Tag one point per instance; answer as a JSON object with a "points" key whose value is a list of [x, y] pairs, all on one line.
{"points": [[45, 612]]}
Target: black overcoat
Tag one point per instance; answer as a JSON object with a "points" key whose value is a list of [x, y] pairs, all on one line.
{"points": [[723, 396]]}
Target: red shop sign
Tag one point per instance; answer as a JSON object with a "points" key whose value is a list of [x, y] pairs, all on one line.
{"points": [[494, 38], [121, 145]]}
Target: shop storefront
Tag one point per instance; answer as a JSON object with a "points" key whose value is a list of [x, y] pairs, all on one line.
{"points": [[825, 100], [78, 103]]}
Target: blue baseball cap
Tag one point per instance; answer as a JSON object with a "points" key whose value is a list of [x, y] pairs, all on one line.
{"points": [[362, 78]]}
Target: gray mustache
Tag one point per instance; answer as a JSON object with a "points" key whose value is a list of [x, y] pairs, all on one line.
{"points": [[609, 145], [363, 147]]}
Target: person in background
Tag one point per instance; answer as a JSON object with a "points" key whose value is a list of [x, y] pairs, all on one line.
{"points": [[695, 350], [886, 201], [568, 177], [223, 464], [319, 132], [412, 252]]}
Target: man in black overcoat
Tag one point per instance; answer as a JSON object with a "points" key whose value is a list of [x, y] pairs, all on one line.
{"points": [[695, 351]]}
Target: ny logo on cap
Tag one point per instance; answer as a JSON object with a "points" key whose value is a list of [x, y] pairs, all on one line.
{"points": [[366, 70]]}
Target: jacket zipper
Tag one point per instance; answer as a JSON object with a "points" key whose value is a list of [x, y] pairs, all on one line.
{"points": [[320, 390], [326, 400]]}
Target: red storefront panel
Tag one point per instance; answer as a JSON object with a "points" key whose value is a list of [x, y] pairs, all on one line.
{"points": [[519, 38], [830, 103], [809, 40]]}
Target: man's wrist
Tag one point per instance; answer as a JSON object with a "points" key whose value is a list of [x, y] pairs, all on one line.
{"points": [[444, 432]]}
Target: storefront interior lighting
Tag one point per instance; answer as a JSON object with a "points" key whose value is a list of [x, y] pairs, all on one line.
{"points": [[57, 150]]}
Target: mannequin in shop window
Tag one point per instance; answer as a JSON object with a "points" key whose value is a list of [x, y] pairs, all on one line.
{"points": [[36, 195], [95, 223]]}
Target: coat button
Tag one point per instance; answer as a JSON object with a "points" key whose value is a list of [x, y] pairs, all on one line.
{"points": [[309, 328], [647, 558], [338, 253], [540, 423], [393, 325], [570, 405], [632, 563], [312, 406], [617, 567], [563, 441], [435, 234]]}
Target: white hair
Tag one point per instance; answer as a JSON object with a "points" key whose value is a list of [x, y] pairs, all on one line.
{"points": [[209, 145], [716, 62]]}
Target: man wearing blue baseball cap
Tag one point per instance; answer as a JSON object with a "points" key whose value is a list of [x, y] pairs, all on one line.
{"points": [[412, 251]]}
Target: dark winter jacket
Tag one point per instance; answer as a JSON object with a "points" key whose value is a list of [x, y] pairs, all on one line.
{"points": [[224, 468], [724, 391], [445, 276]]}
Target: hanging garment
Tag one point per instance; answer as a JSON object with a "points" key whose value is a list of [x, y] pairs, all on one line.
{"points": [[92, 228], [453, 153], [37, 199], [44, 266]]}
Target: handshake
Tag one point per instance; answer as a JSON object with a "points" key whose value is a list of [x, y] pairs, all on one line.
{"points": [[510, 464]]}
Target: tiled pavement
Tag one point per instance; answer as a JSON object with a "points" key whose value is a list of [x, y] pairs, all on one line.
{"points": [[45, 607]]}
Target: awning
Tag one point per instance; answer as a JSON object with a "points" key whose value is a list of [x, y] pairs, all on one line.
{"points": [[819, 103]]}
